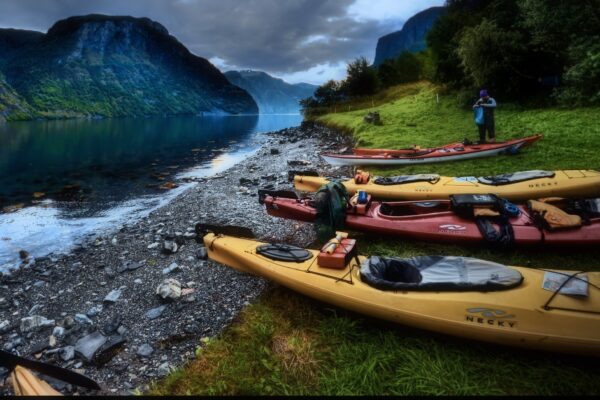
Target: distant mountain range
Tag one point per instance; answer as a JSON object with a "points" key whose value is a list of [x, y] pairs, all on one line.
{"points": [[273, 95], [99, 65], [412, 36]]}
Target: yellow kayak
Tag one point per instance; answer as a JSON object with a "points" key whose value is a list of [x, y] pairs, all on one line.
{"points": [[521, 314], [520, 186]]}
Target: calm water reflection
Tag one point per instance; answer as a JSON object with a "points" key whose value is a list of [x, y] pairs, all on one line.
{"points": [[95, 173]]}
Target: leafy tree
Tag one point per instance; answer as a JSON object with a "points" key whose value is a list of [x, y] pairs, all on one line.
{"points": [[326, 95], [329, 93], [567, 33], [491, 57], [403, 69], [582, 78], [361, 79]]}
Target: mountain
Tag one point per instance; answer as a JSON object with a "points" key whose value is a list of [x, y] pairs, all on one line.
{"points": [[13, 39], [99, 65], [410, 38], [12, 105], [273, 95]]}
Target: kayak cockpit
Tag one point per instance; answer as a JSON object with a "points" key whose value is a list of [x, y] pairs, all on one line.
{"points": [[516, 177], [438, 273], [404, 209], [405, 179]]}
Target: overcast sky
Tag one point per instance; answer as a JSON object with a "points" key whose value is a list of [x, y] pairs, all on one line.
{"points": [[297, 40]]}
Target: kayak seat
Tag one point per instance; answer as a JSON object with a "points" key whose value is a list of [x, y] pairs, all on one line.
{"points": [[399, 210], [404, 179], [506, 179], [284, 252], [415, 154], [438, 273]]}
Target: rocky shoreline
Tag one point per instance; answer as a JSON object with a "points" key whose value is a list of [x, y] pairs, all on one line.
{"points": [[128, 307]]}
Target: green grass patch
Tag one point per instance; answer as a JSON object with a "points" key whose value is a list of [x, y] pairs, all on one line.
{"points": [[424, 115], [288, 344]]}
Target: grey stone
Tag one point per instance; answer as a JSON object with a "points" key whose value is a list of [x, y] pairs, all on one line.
{"points": [[83, 319], [92, 312], [145, 350], [112, 326], [39, 347], [155, 312], [169, 289], [163, 369], [58, 332], [169, 247], [34, 323], [98, 348], [113, 296], [129, 266], [153, 246], [191, 328], [68, 322], [34, 309], [174, 267], [87, 346], [13, 344], [67, 353], [189, 235]]}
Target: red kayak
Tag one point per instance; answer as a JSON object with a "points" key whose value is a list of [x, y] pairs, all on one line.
{"points": [[449, 152], [439, 221]]}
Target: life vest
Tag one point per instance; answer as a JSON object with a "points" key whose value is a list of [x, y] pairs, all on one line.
{"points": [[552, 217]]}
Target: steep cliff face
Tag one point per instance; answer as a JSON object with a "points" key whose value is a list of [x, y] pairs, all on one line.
{"points": [[118, 66], [273, 95], [410, 38]]}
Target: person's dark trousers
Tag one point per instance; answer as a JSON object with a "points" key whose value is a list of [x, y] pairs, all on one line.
{"points": [[490, 131]]}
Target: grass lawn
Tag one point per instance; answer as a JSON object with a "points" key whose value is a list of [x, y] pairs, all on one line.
{"points": [[288, 344]]}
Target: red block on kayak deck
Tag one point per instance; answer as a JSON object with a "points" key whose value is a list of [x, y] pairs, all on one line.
{"points": [[342, 255]]}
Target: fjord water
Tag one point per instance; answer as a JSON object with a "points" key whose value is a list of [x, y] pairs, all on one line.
{"points": [[90, 175]]}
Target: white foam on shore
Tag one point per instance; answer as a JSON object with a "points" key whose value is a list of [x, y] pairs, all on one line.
{"points": [[42, 230]]}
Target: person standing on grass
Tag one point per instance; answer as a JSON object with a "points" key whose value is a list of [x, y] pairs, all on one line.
{"points": [[488, 104]]}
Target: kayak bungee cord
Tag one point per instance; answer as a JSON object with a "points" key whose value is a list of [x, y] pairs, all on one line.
{"points": [[569, 278]]}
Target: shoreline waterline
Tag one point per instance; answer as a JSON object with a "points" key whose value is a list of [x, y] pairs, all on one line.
{"points": [[55, 226]]}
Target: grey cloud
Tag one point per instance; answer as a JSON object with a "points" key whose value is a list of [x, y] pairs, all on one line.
{"points": [[270, 35]]}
